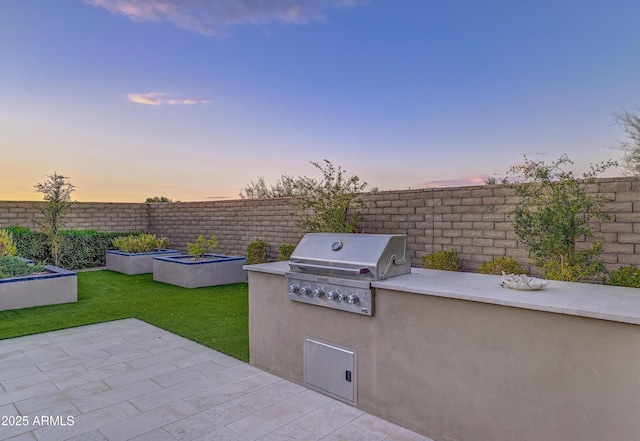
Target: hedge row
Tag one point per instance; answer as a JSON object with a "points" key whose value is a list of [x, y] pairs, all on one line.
{"points": [[80, 248]]}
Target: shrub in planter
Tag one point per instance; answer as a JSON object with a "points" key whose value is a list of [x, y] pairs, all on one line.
{"points": [[496, 266], [285, 251], [448, 260], [13, 266], [201, 246], [628, 276], [136, 252], [140, 243], [258, 252], [199, 268], [24, 284], [7, 247]]}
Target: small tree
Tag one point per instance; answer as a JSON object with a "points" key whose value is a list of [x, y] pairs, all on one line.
{"points": [[553, 215], [630, 123], [328, 205], [284, 187], [56, 192]]}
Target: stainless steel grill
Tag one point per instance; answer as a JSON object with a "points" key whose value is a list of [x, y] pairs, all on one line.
{"points": [[335, 270]]}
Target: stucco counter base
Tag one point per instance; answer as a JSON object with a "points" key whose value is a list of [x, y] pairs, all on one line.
{"points": [[456, 357]]}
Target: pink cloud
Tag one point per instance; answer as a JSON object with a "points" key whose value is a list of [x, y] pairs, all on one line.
{"points": [[456, 182], [210, 17], [160, 98]]}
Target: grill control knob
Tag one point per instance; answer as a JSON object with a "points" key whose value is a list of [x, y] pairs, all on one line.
{"points": [[293, 289], [342, 297], [352, 298], [318, 292], [332, 295], [305, 290]]}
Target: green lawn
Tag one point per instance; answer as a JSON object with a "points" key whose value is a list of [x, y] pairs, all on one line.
{"points": [[216, 317]]}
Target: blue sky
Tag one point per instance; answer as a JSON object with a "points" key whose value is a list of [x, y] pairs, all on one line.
{"points": [[193, 99]]}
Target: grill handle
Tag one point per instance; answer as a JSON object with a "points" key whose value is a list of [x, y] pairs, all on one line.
{"points": [[308, 266]]}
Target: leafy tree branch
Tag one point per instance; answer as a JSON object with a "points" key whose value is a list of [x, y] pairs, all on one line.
{"points": [[553, 215]]}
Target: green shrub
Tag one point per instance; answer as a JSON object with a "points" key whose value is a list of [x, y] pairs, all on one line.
{"points": [[258, 252], [30, 244], [285, 250], [79, 248], [628, 276], [140, 243], [200, 247], [7, 247], [496, 266], [85, 248], [13, 266], [448, 260]]}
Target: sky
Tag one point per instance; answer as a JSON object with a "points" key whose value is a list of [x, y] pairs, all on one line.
{"points": [[194, 99]]}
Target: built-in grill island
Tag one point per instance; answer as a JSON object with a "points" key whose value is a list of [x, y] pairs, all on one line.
{"points": [[335, 270], [451, 355]]}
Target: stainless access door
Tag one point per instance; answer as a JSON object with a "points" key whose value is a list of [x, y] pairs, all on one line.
{"points": [[331, 369]]}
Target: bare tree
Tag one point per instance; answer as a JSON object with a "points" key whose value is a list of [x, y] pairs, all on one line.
{"points": [[630, 124]]}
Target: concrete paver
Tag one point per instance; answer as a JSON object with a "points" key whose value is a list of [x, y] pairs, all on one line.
{"points": [[129, 380]]}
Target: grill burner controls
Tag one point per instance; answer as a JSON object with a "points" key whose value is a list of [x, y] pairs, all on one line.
{"points": [[346, 295]]}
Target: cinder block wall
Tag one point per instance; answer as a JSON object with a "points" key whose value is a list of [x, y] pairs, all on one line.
{"points": [[473, 220], [235, 223], [476, 221], [101, 216]]}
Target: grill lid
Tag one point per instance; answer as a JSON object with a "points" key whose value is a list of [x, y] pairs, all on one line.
{"points": [[353, 256]]}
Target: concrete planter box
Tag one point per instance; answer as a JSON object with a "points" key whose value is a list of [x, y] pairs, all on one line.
{"points": [[135, 263], [58, 285], [210, 270]]}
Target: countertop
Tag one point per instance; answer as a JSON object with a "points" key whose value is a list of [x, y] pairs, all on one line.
{"points": [[580, 299]]}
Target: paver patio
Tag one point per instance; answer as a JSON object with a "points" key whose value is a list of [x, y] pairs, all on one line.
{"points": [[129, 380]]}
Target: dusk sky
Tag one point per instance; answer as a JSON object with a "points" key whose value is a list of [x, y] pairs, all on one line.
{"points": [[193, 99]]}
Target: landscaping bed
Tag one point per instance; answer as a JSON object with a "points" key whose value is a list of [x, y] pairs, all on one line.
{"points": [[134, 263], [53, 286], [208, 270]]}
